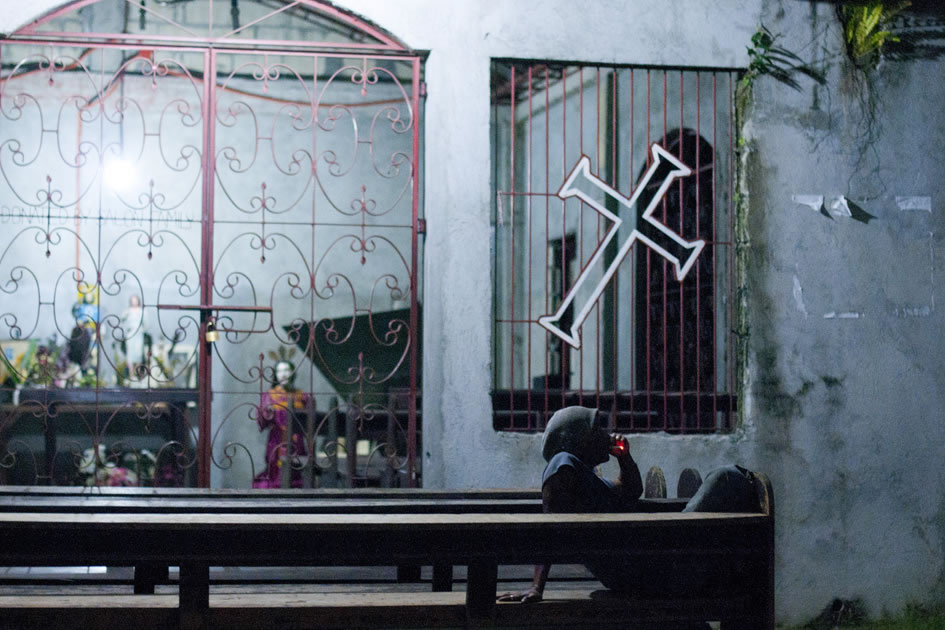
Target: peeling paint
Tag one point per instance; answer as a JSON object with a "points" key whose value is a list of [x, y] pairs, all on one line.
{"points": [[814, 202], [917, 311], [844, 207], [799, 296], [914, 203], [840, 206]]}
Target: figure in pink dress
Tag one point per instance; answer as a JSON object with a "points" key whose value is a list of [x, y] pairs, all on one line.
{"points": [[279, 409]]}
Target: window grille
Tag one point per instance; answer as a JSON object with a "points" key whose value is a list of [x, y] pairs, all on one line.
{"points": [[655, 354]]}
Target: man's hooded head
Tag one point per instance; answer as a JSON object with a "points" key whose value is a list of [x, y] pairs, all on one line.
{"points": [[569, 429]]}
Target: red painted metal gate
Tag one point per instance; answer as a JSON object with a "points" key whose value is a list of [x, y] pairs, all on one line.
{"points": [[210, 268]]}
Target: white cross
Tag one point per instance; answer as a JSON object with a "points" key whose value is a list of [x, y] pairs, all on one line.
{"points": [[665, 242]]}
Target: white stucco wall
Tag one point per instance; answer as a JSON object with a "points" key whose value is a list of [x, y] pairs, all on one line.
{"points": [[462, 37], [842, 404]]}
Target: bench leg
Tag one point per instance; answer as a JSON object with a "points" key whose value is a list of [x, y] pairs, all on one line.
{"points": [[442, 577], [194, 596], [481, 580], [147, 576]]}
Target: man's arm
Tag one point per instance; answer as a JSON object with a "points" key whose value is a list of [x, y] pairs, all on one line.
{"points": [[558, 494], [629, 485]]}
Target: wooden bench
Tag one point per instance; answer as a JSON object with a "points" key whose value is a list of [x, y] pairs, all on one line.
{"points": [[207, 501], [480, 541], [198, 539]]}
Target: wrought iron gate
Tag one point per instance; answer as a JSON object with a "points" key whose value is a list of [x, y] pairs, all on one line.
{"points": [[210, 267]]}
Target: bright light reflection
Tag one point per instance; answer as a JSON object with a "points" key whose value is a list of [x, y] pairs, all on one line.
{"points": [[119, 174]]}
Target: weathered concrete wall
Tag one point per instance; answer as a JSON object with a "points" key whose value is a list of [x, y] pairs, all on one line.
{"points": [[846, 367], [842, 412], [842, 403]]}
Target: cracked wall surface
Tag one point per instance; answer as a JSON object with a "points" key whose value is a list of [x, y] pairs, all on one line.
{"points": [[845, 363]]}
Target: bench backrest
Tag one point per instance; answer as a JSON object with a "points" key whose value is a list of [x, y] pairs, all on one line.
{"points": [[280, 539]]}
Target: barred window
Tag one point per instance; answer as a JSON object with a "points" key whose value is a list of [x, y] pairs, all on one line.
{"points": [[613, 245]]}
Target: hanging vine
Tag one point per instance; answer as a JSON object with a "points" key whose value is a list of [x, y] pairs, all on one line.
{"points": [[867, 31]]}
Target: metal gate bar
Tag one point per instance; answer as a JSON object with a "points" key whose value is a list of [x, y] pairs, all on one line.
{"points": [[540, 107]]}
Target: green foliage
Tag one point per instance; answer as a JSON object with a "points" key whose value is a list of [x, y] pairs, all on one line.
{"points": [[767, 59], [9, 376], [864, 29], [88, 378]]}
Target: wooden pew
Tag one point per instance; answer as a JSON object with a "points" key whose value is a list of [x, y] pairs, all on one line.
{"points": [[196, 540], [480, 541], [205, 501]]}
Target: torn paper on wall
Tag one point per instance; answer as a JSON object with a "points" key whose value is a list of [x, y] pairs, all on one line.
{"points": [[914, 203], [844, 315], [843, 207], [814, 202]]}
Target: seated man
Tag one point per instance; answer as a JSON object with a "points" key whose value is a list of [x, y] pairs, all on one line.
{"points": [[573, 444]]}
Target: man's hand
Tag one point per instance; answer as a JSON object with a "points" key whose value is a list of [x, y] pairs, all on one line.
{"points": [[629, 484], [534, 593], [525, 597]]}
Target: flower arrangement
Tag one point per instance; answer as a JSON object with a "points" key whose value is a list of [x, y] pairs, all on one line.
{"points": [[43, 363], [96, 468]]}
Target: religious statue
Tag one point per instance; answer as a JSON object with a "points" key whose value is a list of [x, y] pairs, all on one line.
{"points": [[279, 409], [82, 345], [132, 321]]}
